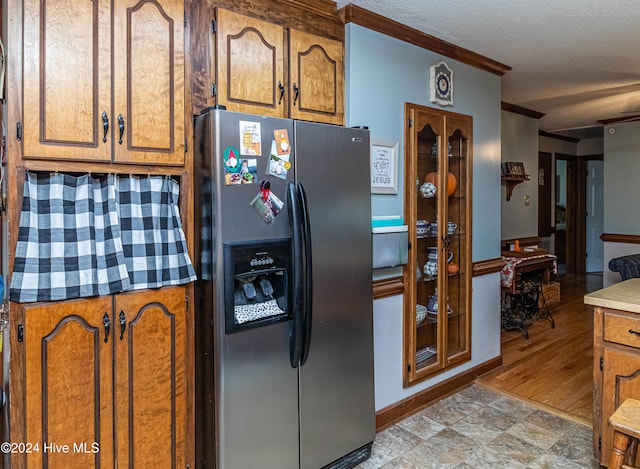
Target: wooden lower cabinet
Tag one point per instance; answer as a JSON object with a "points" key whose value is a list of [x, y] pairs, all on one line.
{"points": [[616, 371], [106, 378]]}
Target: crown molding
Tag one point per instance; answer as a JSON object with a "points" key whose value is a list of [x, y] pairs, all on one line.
{"points": [[358, 15]]}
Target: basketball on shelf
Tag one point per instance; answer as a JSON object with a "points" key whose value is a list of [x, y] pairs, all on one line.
{"points": [[452, 182]]}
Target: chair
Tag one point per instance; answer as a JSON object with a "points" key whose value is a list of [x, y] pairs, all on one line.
{"points": [[625, 422]]}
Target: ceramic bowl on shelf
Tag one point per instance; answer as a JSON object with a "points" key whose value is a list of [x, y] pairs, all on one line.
{"points": [[421, 313], [422, 227]]}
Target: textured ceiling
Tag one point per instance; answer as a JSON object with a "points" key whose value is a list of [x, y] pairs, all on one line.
{"points": [[576, 61]]}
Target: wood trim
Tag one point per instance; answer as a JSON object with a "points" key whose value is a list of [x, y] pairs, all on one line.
{"points": [[387, 287], [488, 266], [620, 238], [543, 133], [406, 407], [368, 19], [615, 120], [521, 110]]}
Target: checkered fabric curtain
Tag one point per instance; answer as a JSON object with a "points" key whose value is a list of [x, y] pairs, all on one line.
{"points": [[82, 236], [155, 249], [69, 243]]}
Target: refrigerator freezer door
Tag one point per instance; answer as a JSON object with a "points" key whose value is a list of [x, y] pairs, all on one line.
{"points": [[337, 411], [256, 389]]}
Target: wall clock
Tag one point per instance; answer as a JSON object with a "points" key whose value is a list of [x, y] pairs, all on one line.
{"points": [[441, 84]]}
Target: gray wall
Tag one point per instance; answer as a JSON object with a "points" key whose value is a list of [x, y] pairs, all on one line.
{"points": [[621, 208], [382, 73], [520, 143]]}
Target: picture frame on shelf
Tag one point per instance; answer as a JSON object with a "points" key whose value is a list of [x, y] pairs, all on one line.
{"points": [[516, 169], [384, 166]]}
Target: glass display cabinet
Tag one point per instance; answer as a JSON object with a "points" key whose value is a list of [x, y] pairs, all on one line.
{"points": [[437, 277]]}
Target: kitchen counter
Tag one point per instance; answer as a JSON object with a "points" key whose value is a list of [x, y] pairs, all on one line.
{"points": [[623, 296]]}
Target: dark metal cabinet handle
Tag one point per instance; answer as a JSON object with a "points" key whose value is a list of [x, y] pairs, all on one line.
{"points": [[105, 125], [123, 324], [281, 88], [107, 327], [121, 126], [631, 331], [296, 91]]}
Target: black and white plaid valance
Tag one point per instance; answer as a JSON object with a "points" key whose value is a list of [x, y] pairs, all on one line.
{"points": [[77, 238], [155, 250]]}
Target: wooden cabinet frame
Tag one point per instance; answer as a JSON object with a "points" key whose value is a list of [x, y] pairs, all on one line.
{"points": [[443, 339]]}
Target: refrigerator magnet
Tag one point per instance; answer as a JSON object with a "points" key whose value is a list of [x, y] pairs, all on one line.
{"points": [[267, 204], [238, 170], [250, 138], [282, 139], [278, 164]]}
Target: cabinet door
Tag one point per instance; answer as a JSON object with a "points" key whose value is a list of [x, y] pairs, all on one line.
{"points": [[148, 114], [250, 65], [68, 374], [423, 327], [456, 234], [150, 378], [620, 380], [316, 76], [66, 79]]}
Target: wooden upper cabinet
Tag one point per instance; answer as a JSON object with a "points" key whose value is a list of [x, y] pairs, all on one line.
{"points": [[251, 75], [67, 79], [316, 74], [84, 81], [250, 65], [149, 82]]}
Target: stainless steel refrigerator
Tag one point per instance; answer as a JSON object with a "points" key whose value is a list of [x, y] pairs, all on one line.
{"points": [[283, 308]]}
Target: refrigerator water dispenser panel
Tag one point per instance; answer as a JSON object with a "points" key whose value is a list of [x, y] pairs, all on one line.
{"points": [[256, 282]]}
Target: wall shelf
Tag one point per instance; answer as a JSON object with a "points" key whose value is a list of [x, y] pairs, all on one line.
{"points": [[513, 181]]}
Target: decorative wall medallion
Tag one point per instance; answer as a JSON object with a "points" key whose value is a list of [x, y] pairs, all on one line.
{"points": [[441, 84]]}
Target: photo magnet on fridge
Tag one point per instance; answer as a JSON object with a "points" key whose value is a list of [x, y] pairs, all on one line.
{"points": [[282, 139], [239, 170], [266, 203], [279, 165]]}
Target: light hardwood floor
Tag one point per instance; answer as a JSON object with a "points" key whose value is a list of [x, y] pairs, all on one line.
{"points": [[553, 369]]}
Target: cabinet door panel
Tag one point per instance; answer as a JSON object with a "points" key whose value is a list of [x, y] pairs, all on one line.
{"points": [[149, 82], [68, 383], [150, 381], [620, 380], [250, 64], [316, 69], [67, 79]]}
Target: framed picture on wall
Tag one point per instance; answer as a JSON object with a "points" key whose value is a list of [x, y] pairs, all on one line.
{"points": [[516, 169], [384, 166]]}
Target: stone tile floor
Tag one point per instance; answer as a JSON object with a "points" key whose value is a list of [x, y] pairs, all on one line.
{"points": [[477, 428]]}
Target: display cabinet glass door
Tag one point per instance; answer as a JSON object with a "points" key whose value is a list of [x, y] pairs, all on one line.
{"points": [[437, 184]]}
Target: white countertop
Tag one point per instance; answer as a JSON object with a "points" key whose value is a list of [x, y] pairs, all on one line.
{"points": [[624, 296]]}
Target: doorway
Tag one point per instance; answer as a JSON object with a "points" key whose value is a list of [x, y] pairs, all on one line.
{"points": [[578, 204]]}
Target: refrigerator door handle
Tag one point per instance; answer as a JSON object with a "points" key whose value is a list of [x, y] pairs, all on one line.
{"points": [[295, 339], [308, 277]]}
